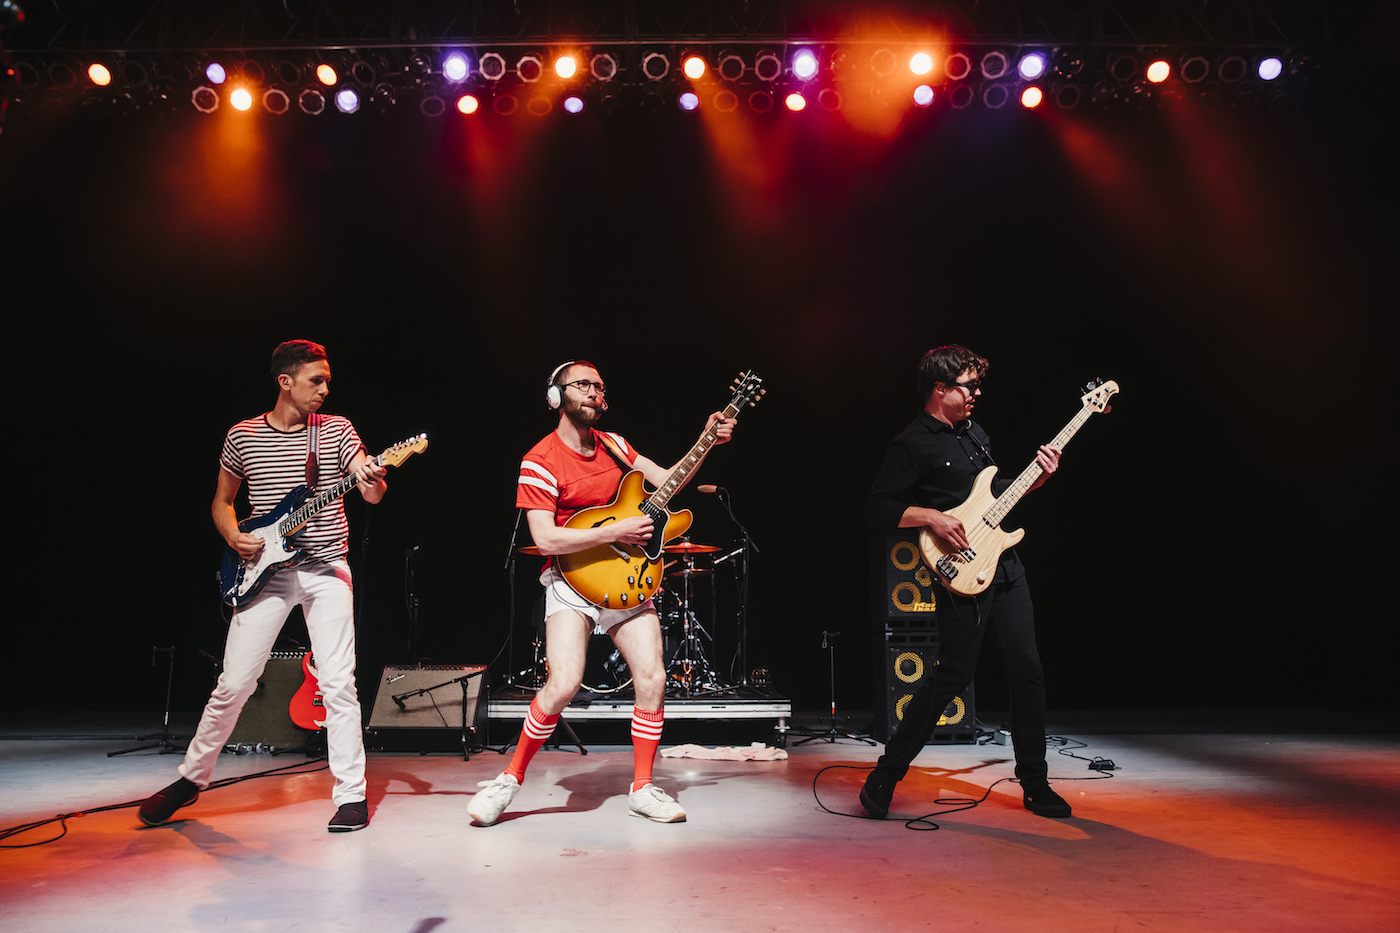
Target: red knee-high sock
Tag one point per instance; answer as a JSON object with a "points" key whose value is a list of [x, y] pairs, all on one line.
{"points": [[538, 727], [646, 737]]}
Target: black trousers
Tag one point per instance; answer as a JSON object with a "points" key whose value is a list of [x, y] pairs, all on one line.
{"points": [[962, 622]]}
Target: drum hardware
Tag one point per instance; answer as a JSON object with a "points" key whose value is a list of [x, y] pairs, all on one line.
{"points": [[689, 668]]}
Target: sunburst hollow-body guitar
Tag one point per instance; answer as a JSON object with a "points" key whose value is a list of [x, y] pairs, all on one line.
{"points": [[969, 571], [621, 576]]}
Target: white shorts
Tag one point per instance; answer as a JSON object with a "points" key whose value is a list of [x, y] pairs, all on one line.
{"points": [[558, 595]]}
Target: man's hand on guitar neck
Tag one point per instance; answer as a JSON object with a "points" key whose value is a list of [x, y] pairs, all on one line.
{"points": [[1048, 458]]}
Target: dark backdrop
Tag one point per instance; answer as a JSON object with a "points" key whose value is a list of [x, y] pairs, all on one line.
{"points": [[1219, 539]]}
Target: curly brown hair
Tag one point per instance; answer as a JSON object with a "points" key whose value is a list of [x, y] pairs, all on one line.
{"points": [[945, 364]]}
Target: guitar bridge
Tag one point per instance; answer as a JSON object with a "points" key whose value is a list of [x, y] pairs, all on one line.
{"points": [[946, 567]]}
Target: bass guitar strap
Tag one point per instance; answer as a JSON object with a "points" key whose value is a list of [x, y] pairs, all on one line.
{"points": [[611, 447]]}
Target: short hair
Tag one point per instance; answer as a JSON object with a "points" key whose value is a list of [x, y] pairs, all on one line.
{"points": [[292, 355], [945, 364], [559, 374]]}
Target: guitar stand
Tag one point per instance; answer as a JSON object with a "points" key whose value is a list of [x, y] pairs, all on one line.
{"points": [[314, 746], [832, 733], [167, 742]]}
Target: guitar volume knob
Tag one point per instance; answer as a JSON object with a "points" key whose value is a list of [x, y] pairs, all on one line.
{"points": [[624, 599]]}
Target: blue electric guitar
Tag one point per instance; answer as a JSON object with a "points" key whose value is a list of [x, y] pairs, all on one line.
{"points": [[240, 579]]}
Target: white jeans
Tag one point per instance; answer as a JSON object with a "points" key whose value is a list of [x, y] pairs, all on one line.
{"points": [[323, 590]]}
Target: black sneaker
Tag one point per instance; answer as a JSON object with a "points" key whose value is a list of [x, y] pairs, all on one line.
{"points": [[350, 817], [1043, 801], [877, 793], [162, 806]]}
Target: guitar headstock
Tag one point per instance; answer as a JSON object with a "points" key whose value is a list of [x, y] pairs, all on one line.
{"points": [[403, 450], [747, 389], [1097, 392]]}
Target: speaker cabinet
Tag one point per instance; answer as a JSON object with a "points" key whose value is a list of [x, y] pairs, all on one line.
{"points": [[910, 591], [430, 700], [906, 667], [265, 720]]}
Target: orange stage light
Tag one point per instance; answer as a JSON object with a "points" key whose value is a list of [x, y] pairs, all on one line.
{"points": [[1031, 97], [796, 102], [921, 63], [240, 99], [1158, 71], [468, 104], [694, 67], [565, 66], [99, 75], [325, 74]]}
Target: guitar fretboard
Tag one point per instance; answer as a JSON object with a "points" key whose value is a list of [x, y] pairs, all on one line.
{"points": [[298, 517], [1021, 484], [690, 461]]}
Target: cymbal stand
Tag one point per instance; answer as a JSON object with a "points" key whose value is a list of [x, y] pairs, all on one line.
{"points": [[695, 674], [740, 557], [832, 733]]}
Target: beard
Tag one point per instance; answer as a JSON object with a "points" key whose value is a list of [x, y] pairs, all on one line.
{"points": [[582, 415]]}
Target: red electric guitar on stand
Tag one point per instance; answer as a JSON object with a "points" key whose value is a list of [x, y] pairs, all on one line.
{"points": [[308, 707]]}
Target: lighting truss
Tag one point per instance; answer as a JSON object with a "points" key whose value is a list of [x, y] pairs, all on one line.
{"points": [[392, 52]]}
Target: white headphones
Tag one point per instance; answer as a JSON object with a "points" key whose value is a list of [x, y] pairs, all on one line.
{"points": [[554, 394]]}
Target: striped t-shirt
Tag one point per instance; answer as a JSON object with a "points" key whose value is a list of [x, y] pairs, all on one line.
{"points": [[273, 462]]}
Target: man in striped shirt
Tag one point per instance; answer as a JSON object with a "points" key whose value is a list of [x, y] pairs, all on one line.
{"points": [[573, 468], [273, 453]]}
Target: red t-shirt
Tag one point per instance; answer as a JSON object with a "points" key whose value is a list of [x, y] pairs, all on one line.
{"points": [[555, 477]]}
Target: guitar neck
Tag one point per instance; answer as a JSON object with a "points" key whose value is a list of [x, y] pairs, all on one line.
{"points": [[689, 462], [1021, 484], [307, 511]]}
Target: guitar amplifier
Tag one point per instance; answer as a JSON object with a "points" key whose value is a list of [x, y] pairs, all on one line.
{"points": [[265, 720], [430, 699]]}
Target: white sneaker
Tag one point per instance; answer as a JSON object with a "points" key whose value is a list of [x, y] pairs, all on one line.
{"points": [[655, 804], [491, 801]]}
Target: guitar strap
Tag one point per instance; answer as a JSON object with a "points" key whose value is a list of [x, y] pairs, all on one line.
{"points": [[313, 469], [611, 447]]}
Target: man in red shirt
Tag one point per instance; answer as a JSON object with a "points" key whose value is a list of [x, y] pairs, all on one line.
{"points": [[577, 467]]}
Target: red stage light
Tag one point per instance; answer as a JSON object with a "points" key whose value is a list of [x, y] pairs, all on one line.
{"points": [[468, 104], [694, 67], [240, 99], [565, 66], [1158, 71], [99, 75], [795, 102], [1031, 97], [325, 74]]}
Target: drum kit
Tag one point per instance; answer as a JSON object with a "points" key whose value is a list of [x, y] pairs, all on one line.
{"points": [[688, 669]]}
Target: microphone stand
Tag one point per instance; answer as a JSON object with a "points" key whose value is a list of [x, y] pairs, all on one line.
{"points": [[411, 599], [167, 742], [831, 734], [741, 579], [509, 679]]}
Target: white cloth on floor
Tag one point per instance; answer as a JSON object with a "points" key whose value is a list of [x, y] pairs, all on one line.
{"points": [[755, 752]]}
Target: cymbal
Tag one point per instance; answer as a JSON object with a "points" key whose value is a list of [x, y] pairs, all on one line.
{"points": [[529, 549], [685, 547], [681, 573]]}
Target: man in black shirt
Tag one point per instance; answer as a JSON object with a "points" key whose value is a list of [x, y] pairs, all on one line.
{"points": [[930, 467]]}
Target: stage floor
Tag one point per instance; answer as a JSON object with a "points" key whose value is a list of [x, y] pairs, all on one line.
{"points": [[1241, 831]]}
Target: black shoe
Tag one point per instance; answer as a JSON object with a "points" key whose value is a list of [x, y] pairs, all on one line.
{"points": [[877, 793], [350, 817], [162, 806], [1043, 801]]}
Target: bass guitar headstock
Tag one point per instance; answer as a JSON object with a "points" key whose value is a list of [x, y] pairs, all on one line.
{"points": [[1097, 392], [403, 450], [747, 389]]}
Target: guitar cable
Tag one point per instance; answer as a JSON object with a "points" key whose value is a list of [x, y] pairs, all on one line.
{"points": [[63, 818]]}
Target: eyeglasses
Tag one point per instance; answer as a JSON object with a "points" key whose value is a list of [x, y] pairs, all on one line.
{"points": [[971, 387], [588, 388]]}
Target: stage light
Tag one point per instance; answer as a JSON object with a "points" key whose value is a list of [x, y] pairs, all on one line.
{"points": [[961, 96], [688, 101], [275, 100], [1031, 66], [731, 67], [923, 95], [760, 101], [694, 67], [795, 102], [1067, 96], [1269, 69], [566, 66], [432, 106], [312, 102], [252, 71], [995, 96], [205, 99], [326, 74], [829, 99], [1123, 67], [346, 100], [539, 106], [529, 68], [767, 66], [240, 99], [1195, 69], [468, 104], [289, 72], [1032, 97], [1231, 68], [505, 104], [726, 101], [656, 66], [1158, 71], [994, 65], [573, 104], [455, 67], [921, 63], [215, 73], [603, 66], [882, 62], [491, 66], [958, 66], [804, 64], [99, 75]]}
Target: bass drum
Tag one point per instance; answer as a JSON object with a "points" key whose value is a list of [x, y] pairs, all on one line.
{"points": [[604, 671]]}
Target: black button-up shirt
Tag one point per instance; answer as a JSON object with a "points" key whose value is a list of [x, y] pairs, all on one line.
{"points": [[931, 465]]}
